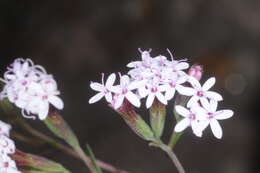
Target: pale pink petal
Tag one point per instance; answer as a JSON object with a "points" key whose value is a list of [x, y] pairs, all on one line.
{"points": [[193, 101], [216, 128], [132, 98], [56, 102], [96, 98], [213, 105], [119, 101], [181, 80], [108, 97], [143, 92], [96, 86], [187, 91], [182, 111], [124, 80], [194, 82], [44, 110], [205, 103], [182, 66], [115, 89], [208, 84], [182, 125], [169, 94], [136, 84], [213, 95], [223, 114], [161, 98], [149, 100], [163, 88], [110, 80]]}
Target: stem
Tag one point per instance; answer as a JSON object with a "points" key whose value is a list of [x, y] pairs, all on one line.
{"points": [[173, 157], [68, 150], [87, 160], [174, 139], [170, 153]]}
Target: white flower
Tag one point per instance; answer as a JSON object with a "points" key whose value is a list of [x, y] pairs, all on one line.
{"points": [[30, 88], [124, 90], [103, 89], [200, 93], [194, 117], [7, 165], [213, 116], [172, 85], [152, 91]]}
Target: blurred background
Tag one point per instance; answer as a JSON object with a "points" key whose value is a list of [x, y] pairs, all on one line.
{"points": [[77, 40]]}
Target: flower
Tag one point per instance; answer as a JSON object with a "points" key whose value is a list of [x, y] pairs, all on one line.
{"points": [[196, 71], [30, 88], [194, 117], [7, 147], [124, 90], [7, 165], [213, 116], [103, 89], [200, 93]]}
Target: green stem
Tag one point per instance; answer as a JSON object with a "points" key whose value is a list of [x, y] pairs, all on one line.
{"points": [[170, 153], [174, 139]]}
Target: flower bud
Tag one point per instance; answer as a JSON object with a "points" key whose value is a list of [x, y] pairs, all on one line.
{"points": [[196, 71], [135, 121]]}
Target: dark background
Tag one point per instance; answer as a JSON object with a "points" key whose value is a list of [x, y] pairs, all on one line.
{"points": [[77, 40]]}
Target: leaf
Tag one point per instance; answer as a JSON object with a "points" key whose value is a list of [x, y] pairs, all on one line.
{"points": [[37, 163], [60, 128], [93, 159]]}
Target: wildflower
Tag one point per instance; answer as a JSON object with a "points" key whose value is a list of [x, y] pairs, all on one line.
{"points": [[194, 117], [103, 89], [7, 165], [4, 128], [30, 88], [213, 116], [124, 90], [200, 93]]}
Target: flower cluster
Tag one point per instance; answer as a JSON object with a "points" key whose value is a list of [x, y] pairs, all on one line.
{"points": [[157, 78], [7, 165], [30, 88]]}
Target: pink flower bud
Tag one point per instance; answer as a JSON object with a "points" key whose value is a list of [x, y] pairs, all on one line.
{"points": [[196, 71]]}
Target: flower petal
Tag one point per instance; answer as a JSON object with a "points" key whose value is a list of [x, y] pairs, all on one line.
{"points": [[194, 82], [108, 97], [132, 98], [149, 100], [209, 83], [223, 114], [110, 80], [187, 91], [182, 111], [56, 102], [44, 110], [119, 101], [205, 103], [182, 125], [96, 86], [161, 98], [182, 66], [169, 94], [216, 128], [193, 101], [96, 98], [214, 95]]}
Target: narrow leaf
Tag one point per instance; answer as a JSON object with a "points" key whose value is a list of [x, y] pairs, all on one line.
{"points": [[93, 159]]}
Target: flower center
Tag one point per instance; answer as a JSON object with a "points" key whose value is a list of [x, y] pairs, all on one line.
{"points": [[210, 115], [153, 89], [124, 91], [200, 93], [192, 117]]}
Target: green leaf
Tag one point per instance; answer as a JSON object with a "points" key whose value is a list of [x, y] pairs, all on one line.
{"points": [[60, 128], [37, 163], [93, 159]]}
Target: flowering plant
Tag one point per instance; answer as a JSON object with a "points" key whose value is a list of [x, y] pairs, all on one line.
{"points": [[157, 80]]}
